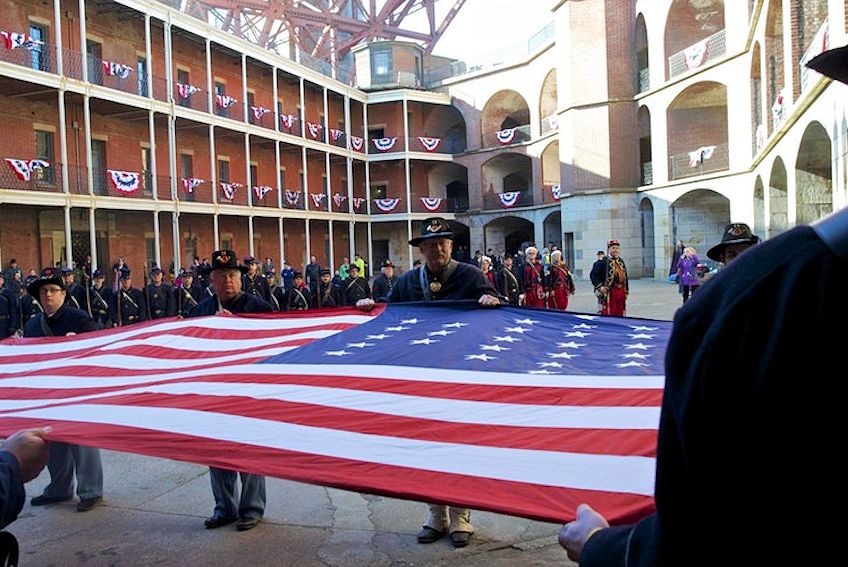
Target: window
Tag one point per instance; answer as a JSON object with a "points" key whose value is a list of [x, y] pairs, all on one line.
{"points": [[183, 79], [150, 250], [146, 173], [141, 70], [40, 55], [381, 64], [227, 242], [223, 171], [187, 171], [376, 133], [44, 150], [379, 190], [94, 51], [220, 89], [98, 167]]}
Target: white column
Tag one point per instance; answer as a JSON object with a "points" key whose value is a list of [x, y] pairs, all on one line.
{"points": [[281, 230], [169, 63], [407, 173], [57, 27], [249, 180], [305, 179], [86, 114], [92, 235], [326, 119], [275, 109], [63, 143], [148, 55], [151, 134], [331, 260], [250, 234], [216, 232], [351, 217], [244, 86], [68, 252], [175, 226], [308, 246], [279, 185], [83, 47], [209, 91], [157, 254], [302, 110]]}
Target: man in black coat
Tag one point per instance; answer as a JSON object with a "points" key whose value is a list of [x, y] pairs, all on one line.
{"points": [[298, 298], [225, 278], [29, 306], [441, 278], [159, 296], [383, 284], [100, 299], [10, 315], [59, 320], [186, 295], [76, 293], [355, 287], [509, 282], [253, 282], [327, 294], [128, 306], [313, 273]]}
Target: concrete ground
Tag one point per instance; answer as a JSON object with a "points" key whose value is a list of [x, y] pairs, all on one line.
{"points": [[154, 509]]}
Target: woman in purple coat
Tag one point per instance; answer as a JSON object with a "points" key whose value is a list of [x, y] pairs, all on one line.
{"points": [[687, 271]]}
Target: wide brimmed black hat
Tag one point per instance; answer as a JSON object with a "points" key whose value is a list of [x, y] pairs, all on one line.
{"points": [[225, 260], [832, 63], [48, 276], [734, 233], [433, 227]]}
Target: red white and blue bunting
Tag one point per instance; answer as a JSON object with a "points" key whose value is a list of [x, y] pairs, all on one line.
{"points": [[431, 203], [506, 136], [186, 90], [292, 197], [124, 181], [358, 202], [113, 69], [261, 190], [189, 183], [335, 134], [229, 190], [313, 129], [13, 40], [556, 191], [287, 120], [318, 199], [225, 101], [357, 143], [695, 55], [385, 144], [259, 112], [23, 168], [338, 199], [430, 144], [386, 205], [509, 199]]}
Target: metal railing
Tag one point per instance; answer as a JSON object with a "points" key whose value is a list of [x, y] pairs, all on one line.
{"points": [[444, 145], [647, 173], [196, 101], [522, 134], [163, 187], [239, 197], [491, 201], [200, 194], [47, 180], [698, 54], [300, 204], [643, 80], [820, 44], [694, 163], [40, 56], [269, 201]]}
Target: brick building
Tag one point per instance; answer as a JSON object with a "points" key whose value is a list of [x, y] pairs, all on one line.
{"points": [[167, 138]]}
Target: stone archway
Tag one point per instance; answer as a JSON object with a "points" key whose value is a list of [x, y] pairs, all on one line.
{"points": [[698, 219], [778, 199], [646, 210], [552, 230], [508, 234], [505, 109], [813, 176], [759, 207]]}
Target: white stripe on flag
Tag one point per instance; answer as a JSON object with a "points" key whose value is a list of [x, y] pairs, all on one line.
{"points": [[199, 345], [632, 475], [455, 411]]}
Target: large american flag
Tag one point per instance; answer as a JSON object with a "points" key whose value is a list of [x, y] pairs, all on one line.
{"points": [[519, 411]]}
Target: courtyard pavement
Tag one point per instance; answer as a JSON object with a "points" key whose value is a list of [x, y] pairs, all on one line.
{"points": [[153, 513]]}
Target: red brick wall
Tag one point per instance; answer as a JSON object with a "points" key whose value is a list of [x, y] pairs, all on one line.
{"points": [[200, 227], [341, 242], [806, 17], [773, 55], [392, 173], [295, 242], [266, 238], [318, 240], [260, 79], [228, 68], [389, 114], [335, 104], [356, 109], [235, 227], [692, 128], [314, 100], [288, 91], [20, 237]]}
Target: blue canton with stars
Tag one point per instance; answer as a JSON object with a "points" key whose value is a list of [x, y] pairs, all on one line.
{"points": [[460, 335]]}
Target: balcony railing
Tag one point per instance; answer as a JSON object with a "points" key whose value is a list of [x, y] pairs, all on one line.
{"points": [[707, 159], [643, 80], [359, 204], [820, 44], [234, 112], [163, 187], [294, 199], [47, 180], [289, 124], [201, 193], [38, 56], [550, 123], [507, 136], [434, 145], [446, 205], [647, 172], [492, 201], [697, 54], [268, 201], [196, 101], [238, 196]]}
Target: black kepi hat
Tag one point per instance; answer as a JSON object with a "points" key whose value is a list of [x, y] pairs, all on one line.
{"points": [[433, 227], [48, 276], [734, 233], [225, 260], [832, 63]]}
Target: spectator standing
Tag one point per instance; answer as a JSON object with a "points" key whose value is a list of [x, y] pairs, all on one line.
{"points": [[687, 271]]}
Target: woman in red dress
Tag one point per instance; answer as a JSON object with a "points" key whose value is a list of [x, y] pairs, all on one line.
{"points": [[535, 288], [561, 283]]}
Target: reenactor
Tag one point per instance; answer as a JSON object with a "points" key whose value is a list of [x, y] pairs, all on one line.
{"points": [[384, 283], [276, 293], [253, 282], [159, 296], [75, 296], [535, 282], [129, 306], [287, 276], [187, 295], [508, 282], [355, 287], [327, 294], [29, 306], [297, 299], [10, 316], [561, 282], [100, 300]]}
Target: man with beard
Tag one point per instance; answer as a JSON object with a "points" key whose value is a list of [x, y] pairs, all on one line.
{"points": [[614, 285]]}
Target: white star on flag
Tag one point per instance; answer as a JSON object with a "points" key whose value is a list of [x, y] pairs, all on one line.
{"points": [[638, 355], [398, 328], [566, 355], [520, 330], [635, 336], [442, 333], [456, 325], [639, 346], [336, 352], [359, 345], [506, 339], [542, 371], [571, 344], [422, 342], [580, 334], [409, 321], [631, 363], [550, 364], [496, 348], [484, 357], [379, 337], [587, 317], [526, 321], [642, 328], [583, 326]]}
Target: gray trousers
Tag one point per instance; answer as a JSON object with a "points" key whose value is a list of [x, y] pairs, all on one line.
{"points": [[65, 459], [251, 504], [449, 519]]}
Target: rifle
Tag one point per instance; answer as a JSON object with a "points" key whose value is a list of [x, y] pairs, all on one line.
{"points": [[86, 281]]}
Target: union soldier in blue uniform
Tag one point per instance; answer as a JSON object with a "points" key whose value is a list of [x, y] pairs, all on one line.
{"points": [[355, 287], [58, 320], [327, 294], [225, 277], [297, 298], [100, 299], [10, 315], [440, 278], [159, 296], [275, 293], [384, 283], [187, 295], [29, 306], [253, 282], [76, 293], [128, 306]]}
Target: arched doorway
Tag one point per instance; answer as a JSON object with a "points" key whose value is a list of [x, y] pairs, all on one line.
{"points": [[646, 208], [698, 219], [759, 207], [550, 172], [505, 109], [697, 131], [774, 64], [548, 103], [645, 152], [643, 77], [448, 123], [507, 234], [778, 198], [689, 26], [507, 173], [461, 239], [813, 176], [552, 230]]}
